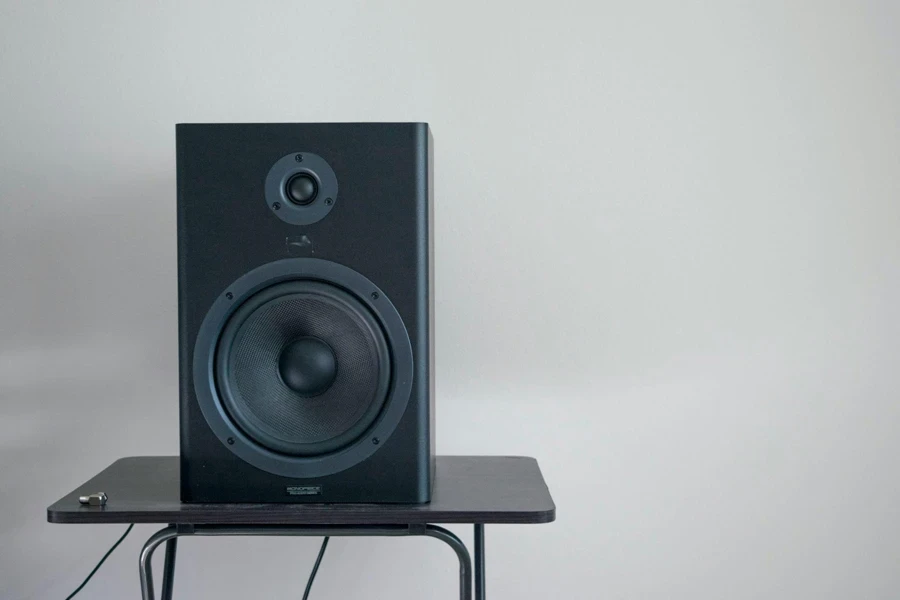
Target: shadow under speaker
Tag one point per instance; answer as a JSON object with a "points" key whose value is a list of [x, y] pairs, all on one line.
{"points": [[305, 293]]}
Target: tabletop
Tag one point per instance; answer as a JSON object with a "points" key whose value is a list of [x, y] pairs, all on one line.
{"points": [[467, 489]]}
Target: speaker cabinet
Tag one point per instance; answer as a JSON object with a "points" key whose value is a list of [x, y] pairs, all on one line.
{"points": [[305, 293]]}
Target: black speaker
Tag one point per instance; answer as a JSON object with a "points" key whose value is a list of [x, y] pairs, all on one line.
{"points": [[305, 294]]}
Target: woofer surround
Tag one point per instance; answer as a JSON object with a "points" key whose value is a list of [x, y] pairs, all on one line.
{"points": [[238, 367]]}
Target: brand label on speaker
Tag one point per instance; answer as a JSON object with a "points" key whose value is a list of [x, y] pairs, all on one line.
{"points": [[299, 245], [304, 490]]}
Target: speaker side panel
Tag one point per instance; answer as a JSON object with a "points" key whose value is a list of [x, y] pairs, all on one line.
{"points": [[379, 226], [428, 423]]}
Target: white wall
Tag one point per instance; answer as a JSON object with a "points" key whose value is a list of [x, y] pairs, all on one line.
{"points": [[667, 266]]}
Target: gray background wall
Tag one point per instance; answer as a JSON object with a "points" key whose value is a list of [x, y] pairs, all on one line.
{"points": [[667, 266]]}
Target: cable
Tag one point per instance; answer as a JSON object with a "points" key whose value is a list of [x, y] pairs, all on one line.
{"points": [[100, 564], [312, 575], [315, 569]]}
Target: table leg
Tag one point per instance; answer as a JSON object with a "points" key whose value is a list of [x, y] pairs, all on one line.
{"points": [[169, 534], [465, 563], [169, 568], [146, 572], [479, 561]]}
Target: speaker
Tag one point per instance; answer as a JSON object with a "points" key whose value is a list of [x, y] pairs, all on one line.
{"points": [[305, 295]]}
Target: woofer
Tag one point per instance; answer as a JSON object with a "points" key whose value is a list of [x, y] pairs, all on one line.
{"points": [[303, 368]]}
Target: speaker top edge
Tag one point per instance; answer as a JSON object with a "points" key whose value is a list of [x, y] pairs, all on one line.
{"points": [[317, 123]]}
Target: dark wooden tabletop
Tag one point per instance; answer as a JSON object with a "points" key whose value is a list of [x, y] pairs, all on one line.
{"points": [[467, 489]]}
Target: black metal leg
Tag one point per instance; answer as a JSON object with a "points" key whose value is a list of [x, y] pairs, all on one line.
{"points": [[169, 535], [169, 568], [465, 563], [479, 561]]}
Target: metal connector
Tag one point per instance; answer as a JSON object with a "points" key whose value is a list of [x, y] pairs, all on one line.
{"points": [[98, 499]]}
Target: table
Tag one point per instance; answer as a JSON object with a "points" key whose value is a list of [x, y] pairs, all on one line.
{"points": [[478, 490]]}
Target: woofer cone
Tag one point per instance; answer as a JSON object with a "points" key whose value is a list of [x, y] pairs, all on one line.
{"points": [[302, 368]]}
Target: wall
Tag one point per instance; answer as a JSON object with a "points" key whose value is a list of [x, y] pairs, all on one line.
{"points": [[667, 266]]}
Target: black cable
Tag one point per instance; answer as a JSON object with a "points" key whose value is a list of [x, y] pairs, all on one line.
{"points": [[315, 568], [100, 564]]}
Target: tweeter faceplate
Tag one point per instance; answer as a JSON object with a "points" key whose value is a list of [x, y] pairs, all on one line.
{"points": [[312, 170]]}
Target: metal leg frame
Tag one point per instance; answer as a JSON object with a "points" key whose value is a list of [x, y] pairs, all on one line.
{"points": [[479, 561], [168, 568], [170, 536]]}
